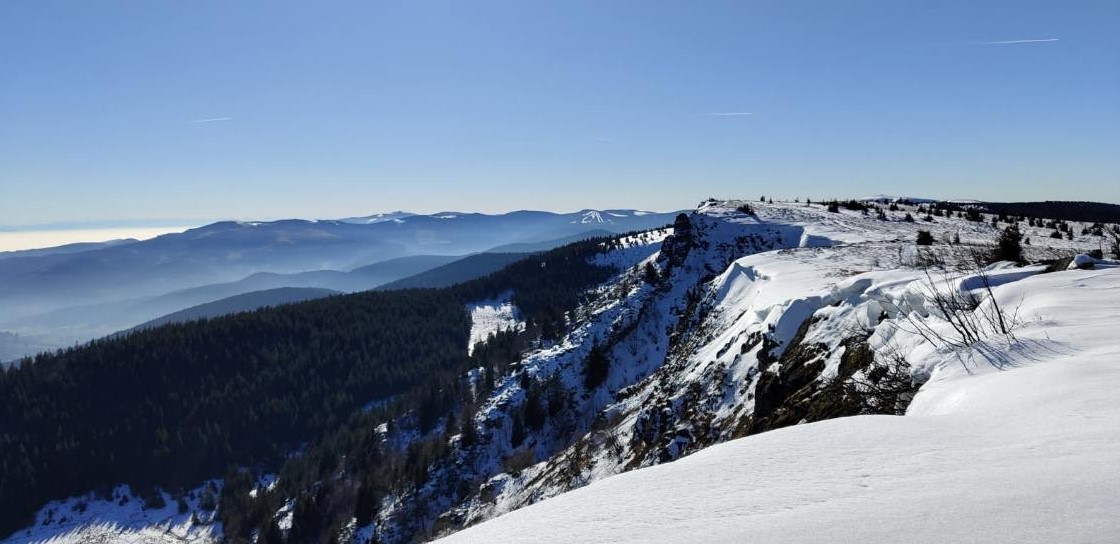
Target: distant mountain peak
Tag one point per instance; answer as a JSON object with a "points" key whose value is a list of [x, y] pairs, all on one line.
{"points": [[378, 218], [886, 199]]}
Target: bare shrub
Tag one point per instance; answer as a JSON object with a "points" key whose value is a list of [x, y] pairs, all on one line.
{"points": [[886, 387], [972, 312]]}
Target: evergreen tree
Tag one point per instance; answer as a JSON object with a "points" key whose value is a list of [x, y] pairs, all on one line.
{"points": [[1009, 245], [596, 368]]}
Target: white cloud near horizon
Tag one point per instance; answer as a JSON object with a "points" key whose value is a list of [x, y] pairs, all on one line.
{"points": [[212, 120]]}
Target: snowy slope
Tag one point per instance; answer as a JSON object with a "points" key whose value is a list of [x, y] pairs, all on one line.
{"points": [[491, 316], [124, 518], [1023, 454]]}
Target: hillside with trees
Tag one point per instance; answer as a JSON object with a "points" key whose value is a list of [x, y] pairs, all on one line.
{"points": [[172, 406]]}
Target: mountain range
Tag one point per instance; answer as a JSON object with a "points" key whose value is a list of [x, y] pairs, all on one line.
{"points": [[56, 297], [754, 371]]}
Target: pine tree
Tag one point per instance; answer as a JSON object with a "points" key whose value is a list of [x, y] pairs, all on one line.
{"points": [[1009, 245], [517, 431], [597, 367]]}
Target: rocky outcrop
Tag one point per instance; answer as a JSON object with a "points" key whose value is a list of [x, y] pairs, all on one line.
{"points": [[675, 248]]}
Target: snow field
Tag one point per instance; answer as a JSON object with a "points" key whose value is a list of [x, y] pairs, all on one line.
{"points": [[492, 316]]}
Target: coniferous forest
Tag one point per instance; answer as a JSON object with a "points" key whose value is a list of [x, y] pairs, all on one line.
{"points": [[173, 406]]}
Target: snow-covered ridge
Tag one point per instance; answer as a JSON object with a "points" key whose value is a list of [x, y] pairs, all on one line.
{"points": [[632, 317], [582, 216], [378, 218], [1007, 441]]}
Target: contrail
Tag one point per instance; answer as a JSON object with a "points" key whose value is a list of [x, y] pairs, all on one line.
{"points": [[1011, 42]]}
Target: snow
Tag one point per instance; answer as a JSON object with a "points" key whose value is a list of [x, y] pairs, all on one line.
{"points": [[266, 482], [1024, 454], [633, 249], [593, 216], [396, 216], [491, 316], [122, 519], [1082, 260], [285, 514]]}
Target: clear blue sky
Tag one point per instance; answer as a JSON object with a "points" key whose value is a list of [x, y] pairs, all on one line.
{"points": [[114, 110]]}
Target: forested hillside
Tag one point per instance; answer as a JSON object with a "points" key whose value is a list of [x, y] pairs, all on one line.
{"points": [[175, 405], [1093, 212], [458, 271]]}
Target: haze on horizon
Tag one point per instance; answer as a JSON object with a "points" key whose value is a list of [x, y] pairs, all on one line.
{"points": [[37, 239], [119, 111]]}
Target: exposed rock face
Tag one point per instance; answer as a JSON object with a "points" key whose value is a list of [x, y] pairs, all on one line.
{"points": [[675, 248]]}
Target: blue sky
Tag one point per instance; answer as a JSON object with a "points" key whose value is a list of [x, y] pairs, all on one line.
{"points": [[150, 110]]}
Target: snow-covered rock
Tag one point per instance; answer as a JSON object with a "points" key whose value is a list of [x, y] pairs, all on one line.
{"points": [[1082, 261]]}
